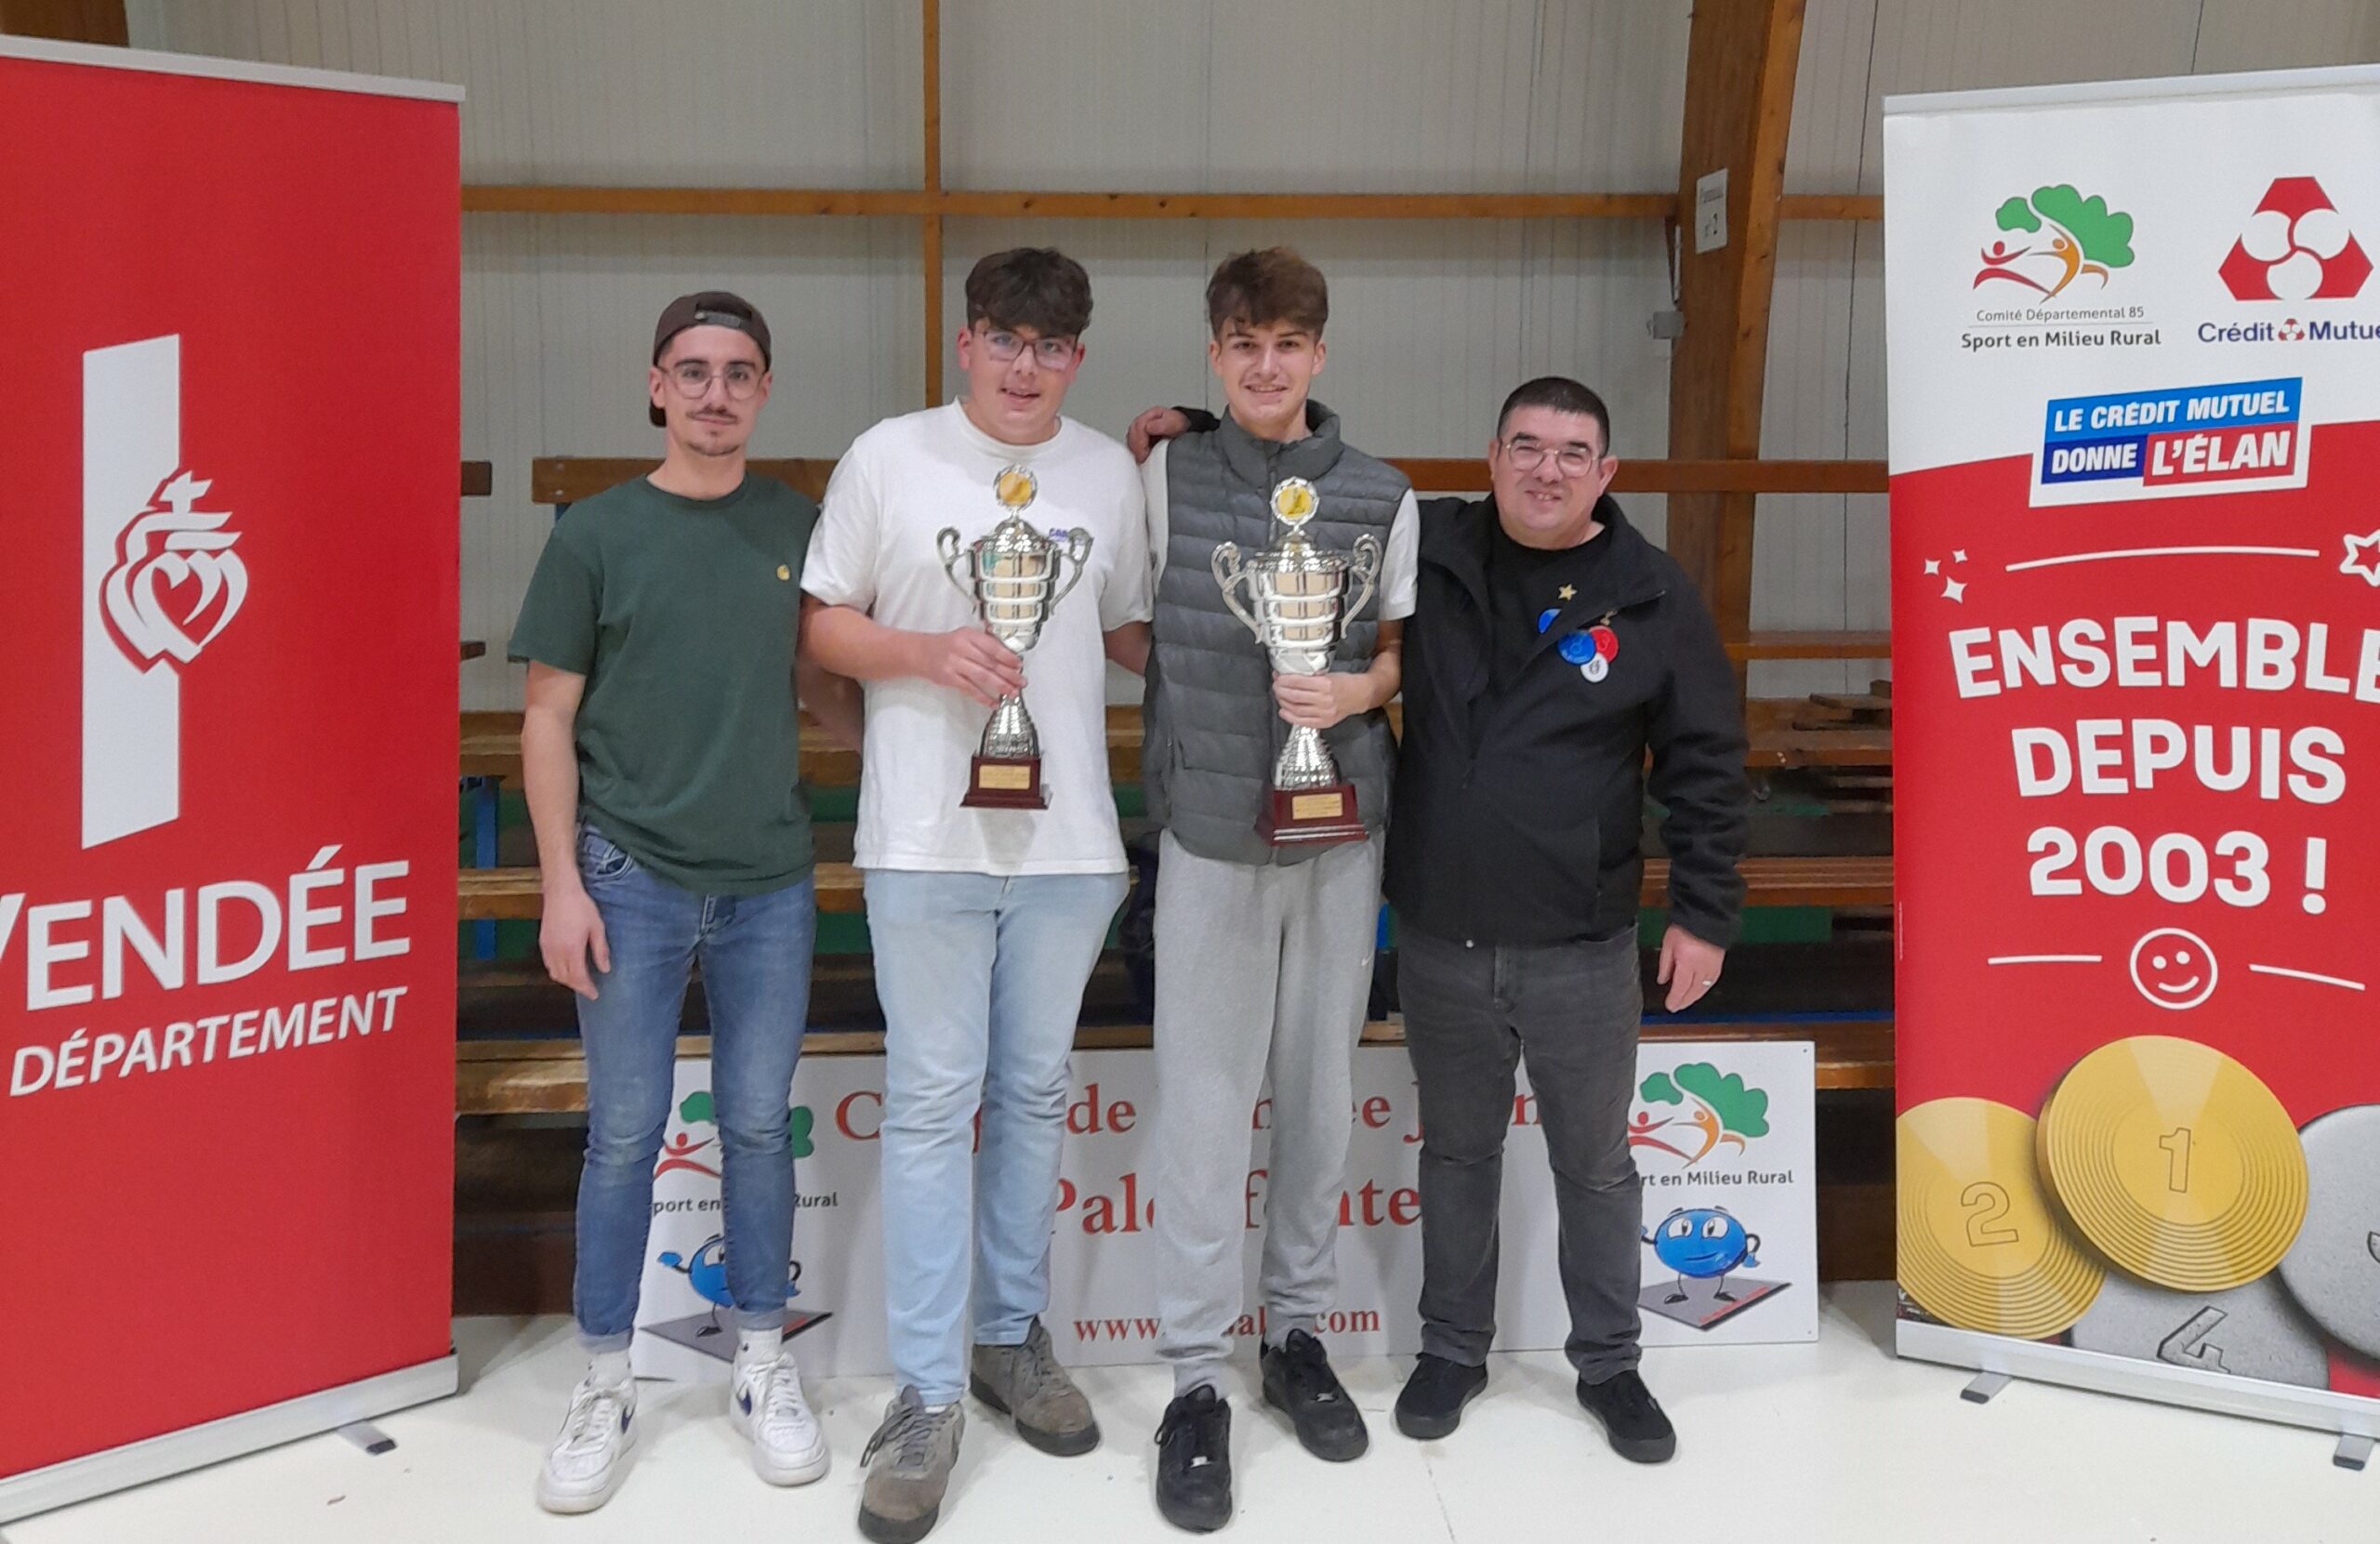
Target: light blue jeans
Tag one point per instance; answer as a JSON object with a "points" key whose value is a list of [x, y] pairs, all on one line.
{"points": [[981, 978], [755, 953]]}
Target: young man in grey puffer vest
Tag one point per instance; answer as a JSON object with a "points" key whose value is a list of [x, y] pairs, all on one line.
{"points": [[1263, 950]]}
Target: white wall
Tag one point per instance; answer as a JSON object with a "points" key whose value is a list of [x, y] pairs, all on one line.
{"points": [[1431, 323], [1818, 561]]}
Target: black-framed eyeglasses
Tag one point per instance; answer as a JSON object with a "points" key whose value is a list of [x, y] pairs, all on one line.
{"points": [[1527, 455], [1050, 353], [692, 378]]}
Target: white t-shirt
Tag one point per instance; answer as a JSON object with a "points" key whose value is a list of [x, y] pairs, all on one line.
{"points": [[873, 551], [1400, 560]]}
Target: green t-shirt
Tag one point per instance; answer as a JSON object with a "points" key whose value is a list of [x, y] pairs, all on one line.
{"points": [[681, 613]]}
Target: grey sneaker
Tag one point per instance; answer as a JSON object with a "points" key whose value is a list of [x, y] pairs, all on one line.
{"points": [[909, 1464], [1026, 1384]]}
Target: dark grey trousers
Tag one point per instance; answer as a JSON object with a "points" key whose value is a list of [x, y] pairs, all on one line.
{"points": [[1471, 1014]]}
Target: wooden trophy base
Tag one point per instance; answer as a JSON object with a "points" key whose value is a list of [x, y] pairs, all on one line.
{"points": [[1326, 816], [1005, 782]]}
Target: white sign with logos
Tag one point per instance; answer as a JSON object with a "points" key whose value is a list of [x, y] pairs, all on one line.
{"points": [[1723, 1133]]}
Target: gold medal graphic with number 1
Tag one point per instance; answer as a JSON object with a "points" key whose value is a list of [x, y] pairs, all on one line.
{"points": [[1978, 1247], [2175, 1162]]}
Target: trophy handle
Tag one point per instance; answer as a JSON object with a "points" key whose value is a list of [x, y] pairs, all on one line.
{"points": [[1077, 552], [1364, 564], [1230, 574], [946, 543]]}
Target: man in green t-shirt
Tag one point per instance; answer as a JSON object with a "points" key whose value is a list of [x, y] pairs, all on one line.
{"points": [[662, 753]]}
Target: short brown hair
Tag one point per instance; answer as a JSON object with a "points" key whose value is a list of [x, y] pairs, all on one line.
{"points": [[1038, 287], [1258, 288]]}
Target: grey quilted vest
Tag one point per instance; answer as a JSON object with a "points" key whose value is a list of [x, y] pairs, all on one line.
{"points": [[1211, 726]]}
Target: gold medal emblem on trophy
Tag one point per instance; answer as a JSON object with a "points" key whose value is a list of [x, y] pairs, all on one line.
{"points": [[1012, 576], [1298, 607]]}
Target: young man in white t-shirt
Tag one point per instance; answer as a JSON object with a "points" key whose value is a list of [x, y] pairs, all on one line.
{"points": [[986, 922], [1264, 951]]}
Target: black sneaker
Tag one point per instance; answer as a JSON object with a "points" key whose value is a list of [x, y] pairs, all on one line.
{"points": [[1432, 1404], [1194, 1461], [1632, 1418], [1298, 1380]]}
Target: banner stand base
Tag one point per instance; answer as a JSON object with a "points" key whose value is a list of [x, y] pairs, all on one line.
{"points": [[2353, 1421], [368, 1437], [94, 1474]]}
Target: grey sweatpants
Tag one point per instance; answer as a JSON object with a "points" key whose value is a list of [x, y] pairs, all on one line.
{"points": [[1260, 969]]}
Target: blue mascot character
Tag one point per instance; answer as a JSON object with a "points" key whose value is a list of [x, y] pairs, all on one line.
{"points": [[708, 1274], [1704, 1243]]}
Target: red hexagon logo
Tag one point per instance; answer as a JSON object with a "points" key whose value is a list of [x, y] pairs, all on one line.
{"points": [[2296, 246]]}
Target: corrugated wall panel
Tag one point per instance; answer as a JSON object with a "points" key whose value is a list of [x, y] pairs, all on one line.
{"points": [[1432, 323], [559, 313], [699, 92], [1821, 563], [2257, 34]]}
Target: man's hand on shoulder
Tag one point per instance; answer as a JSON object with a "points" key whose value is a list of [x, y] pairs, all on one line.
{"points": [[1157, 424]]}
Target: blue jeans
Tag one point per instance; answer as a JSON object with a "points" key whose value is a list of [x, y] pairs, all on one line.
{"points": [[755, 954], [981, 978]]}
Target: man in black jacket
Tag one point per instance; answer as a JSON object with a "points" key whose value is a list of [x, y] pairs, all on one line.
{"points": [[1549, 648]]}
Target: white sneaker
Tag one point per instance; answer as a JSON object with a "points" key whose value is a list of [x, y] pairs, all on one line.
{"points": [[787, 1446], [588, 1457]]}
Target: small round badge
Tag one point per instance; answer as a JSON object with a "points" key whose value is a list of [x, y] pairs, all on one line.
{"points": [[1579, 648], [1595, 669], [1015, 487], [1545, 618], [1294, 501], [1607, 641]]}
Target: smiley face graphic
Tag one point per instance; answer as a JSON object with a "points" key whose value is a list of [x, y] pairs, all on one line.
{"points": [[2173, 968]]}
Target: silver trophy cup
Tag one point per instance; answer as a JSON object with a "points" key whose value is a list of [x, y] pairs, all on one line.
{"points": [[1012, 576], [1298, 606]]}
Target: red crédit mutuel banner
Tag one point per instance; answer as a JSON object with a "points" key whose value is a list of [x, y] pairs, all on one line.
{"points": [[2134, 347]]}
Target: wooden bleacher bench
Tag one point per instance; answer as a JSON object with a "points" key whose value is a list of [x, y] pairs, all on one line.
{"points": [[491, 746], [1819, 644], [1776, 750], [510, 1076], [498, 1077], [502, 895]]}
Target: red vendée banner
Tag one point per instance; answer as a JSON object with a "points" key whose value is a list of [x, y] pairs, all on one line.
{"points": [[229, 330], [2136, 409]]}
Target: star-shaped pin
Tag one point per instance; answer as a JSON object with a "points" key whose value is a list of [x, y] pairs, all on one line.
{"points": [[1568, 592], [2367, 566], [1953, 589], [1933, 565]]}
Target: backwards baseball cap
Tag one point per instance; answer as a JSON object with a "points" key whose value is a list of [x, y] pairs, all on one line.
{"points": [[710, 308]]}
